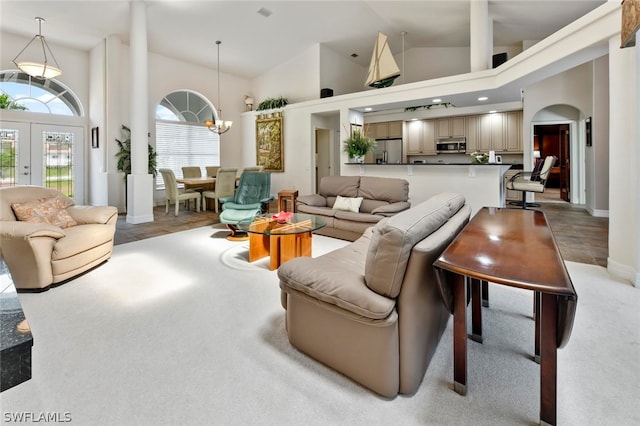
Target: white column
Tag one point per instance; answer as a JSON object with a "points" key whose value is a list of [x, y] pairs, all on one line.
{"points": [[481, 35], [624, 161], [139, 182]]}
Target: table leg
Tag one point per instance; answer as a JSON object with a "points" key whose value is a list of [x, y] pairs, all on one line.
{"points": [[536, 315], [548, 359], [485, 294], [459, 334], [274, 252], [476, 311], [258, 246]]}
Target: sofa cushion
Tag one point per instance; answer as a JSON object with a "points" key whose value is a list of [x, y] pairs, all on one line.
{"points": [[347, 204], [390, 190], [393, 239], [345, 186], [49, 210], [81, 238], [357, 217], [321, 211], [312, 200], [336, 278]]}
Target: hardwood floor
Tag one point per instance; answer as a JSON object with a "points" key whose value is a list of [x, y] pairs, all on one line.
{"points": [[581, 237]]}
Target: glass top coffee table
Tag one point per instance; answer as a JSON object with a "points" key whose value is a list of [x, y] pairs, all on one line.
{"points": [[280, 241]]}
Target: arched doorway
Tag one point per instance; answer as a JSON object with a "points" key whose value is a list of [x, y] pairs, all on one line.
{"points": [[556, 131]]}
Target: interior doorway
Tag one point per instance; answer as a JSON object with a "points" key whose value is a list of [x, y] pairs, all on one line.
{"points": [[322, 155], [555, 139]]}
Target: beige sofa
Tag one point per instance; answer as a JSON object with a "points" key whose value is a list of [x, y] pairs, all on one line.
{"points": [[41, 254], [372, 310], [381, 197]]}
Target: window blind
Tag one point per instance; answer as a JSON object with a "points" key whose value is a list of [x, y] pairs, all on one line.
{"points": [[181, 144]]}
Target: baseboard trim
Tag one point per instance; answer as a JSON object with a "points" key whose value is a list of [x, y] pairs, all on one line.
{"points": [[623, 271], [139, 219], [598, 212]]}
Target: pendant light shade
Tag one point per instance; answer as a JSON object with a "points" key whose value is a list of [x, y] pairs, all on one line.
{"points": [[34, 60], [218, 126]]}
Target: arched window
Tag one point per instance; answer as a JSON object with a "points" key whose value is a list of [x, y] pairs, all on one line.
{"points": [[182, 139], [36, 95]]}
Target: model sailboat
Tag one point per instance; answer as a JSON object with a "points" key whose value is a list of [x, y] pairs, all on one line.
{"points": [[383, 69]]}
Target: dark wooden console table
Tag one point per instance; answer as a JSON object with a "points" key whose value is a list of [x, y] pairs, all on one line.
{"points": [[516, 248]]}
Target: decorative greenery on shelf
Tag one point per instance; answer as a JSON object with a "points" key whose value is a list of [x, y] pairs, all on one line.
{"points": [[440, 105], [478, 157], [272, 103], [358, 145], [124, 155]]}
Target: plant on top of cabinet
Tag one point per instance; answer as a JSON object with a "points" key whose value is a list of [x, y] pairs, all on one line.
{"points": [[272, 103]]}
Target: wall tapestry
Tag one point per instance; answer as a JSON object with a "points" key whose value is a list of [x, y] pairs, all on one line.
{"points": [[269, 143]]}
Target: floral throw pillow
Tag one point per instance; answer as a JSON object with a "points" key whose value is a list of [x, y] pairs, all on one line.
{"points": [[45, 210]]}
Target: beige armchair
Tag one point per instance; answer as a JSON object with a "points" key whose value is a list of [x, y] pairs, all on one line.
{"points": [[46, 239]]}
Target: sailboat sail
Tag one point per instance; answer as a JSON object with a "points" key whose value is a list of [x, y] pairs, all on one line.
{"points": [[383, 69]]}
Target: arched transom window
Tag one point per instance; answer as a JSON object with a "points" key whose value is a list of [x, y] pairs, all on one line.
{"points": [[23, 92], [182, 139]]}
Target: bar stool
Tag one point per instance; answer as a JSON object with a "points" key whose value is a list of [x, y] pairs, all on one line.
{"points": [[287, 196]]}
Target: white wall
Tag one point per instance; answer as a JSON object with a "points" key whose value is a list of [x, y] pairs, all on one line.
{"points": [[598, 153], [298, 79], [341, 74], [433, 62]]}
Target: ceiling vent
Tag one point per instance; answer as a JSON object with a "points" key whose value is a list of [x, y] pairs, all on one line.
{"points": [[264, 12]]}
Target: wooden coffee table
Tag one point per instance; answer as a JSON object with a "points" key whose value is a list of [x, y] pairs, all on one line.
{"points": [[280, 241]]}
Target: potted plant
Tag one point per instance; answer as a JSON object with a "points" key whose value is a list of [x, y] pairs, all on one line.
{"points": [[124, 158], [272, 103], [357, 146]]}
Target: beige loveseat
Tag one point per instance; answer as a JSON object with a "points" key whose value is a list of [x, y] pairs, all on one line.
{"points": [[41, 254], [372, 310], [381, 197]]}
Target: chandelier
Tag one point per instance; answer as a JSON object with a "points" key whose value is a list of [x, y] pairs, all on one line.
{"points": [[33, 67], [218, 126]]}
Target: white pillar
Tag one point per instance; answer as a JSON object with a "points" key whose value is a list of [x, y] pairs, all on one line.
{"points": [[624, 161], [139, 182], [481, 36]]}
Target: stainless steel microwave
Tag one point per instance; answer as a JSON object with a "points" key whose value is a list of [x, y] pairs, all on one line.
{"points": [[456, 145]]}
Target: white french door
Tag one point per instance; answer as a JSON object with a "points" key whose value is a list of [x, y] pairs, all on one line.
{"points": [[43, 154]]}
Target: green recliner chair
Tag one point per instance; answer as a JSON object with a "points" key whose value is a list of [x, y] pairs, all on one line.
{"points": [[251, 199]]}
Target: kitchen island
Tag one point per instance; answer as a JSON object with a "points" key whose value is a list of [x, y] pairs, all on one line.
{"points": [[482, 184]]}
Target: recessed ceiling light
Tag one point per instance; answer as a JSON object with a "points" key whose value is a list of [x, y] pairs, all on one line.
{"points": [[493, 111], [264, 12], [354, 55], [368, 109], [436, 100], [414, 119], [482, 98]]}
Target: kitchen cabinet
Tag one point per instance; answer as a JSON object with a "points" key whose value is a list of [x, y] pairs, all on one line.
{"points": [[499, 132], [384, 130], [512, 132], [450, 127], [421, 137]]}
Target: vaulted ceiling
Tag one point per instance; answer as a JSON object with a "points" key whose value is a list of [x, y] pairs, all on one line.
{"points": [[254, 43]]}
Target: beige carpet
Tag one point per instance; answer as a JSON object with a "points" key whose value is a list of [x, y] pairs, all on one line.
{"points": [[181, 330]]}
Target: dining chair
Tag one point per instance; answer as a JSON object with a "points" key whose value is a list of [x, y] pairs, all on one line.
{"points": [[225, 187], [174, 194], [189, 172], [253, 169], [212, 171]]}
